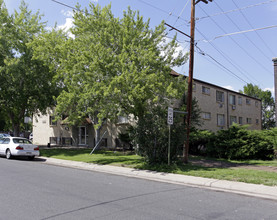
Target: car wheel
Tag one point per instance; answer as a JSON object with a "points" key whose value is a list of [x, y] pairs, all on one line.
{"points": [[8, 154], [31, 157]]}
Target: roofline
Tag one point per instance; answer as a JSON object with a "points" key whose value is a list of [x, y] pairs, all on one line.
{"points": [[174, 73]]}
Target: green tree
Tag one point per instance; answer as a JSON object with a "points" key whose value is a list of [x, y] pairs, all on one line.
{"points": [[268, 106], [26, 83], [115, 66]]}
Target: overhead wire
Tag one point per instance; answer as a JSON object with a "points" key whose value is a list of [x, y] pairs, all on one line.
{"points": [[229, 60], [249, 23], [234, 10], [249, 39], [181, 12], [235, 42], [218, 63]]}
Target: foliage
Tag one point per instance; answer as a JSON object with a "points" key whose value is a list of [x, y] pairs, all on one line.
{"points": [[26, 83], [199, 140], [240, 143], [114, 66], [151, 134], [268, 106]]}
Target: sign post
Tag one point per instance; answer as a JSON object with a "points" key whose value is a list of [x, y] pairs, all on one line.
{"points": [[169, 122]]}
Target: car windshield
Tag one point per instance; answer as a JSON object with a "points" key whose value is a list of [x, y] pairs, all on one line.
{"points": [[1, 140], [21, 141]]}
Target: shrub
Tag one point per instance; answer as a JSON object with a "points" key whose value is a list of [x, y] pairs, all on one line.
{"points": [[150, 136], [198, 141], [240, 143]]}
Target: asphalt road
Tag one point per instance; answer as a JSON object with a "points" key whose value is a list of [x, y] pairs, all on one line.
{"points": [[34, 190]]}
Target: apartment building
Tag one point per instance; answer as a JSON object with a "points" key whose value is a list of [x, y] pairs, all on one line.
{"points": [[221, 107]]}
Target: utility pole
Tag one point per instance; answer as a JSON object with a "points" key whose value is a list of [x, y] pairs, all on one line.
{"points": [[191, 61]]}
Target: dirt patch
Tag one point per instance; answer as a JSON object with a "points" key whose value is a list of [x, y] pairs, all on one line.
{"points": [[222, 164]]}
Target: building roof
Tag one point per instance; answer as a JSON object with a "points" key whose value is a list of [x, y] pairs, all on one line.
{"points": [[174, 73]]}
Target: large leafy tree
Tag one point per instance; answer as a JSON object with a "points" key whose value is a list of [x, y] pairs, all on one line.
{"points": [[268, 106], [26, 83], [115, 66]]}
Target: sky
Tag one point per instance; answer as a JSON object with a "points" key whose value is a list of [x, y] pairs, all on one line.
{"points": [[234, 42]]}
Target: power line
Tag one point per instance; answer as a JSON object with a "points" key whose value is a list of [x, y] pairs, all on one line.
{"points": [[254, 30], [244, 33], [60, 3], [181, 12], [238, 9], [229, 60], [159, 9], [245, 51], [240, 32], [221, 65]]}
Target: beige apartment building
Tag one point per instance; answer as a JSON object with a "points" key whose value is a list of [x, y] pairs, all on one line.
{"points": [[221, 107]]}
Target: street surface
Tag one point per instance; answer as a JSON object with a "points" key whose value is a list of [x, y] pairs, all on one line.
{"points": [[34, 190]]}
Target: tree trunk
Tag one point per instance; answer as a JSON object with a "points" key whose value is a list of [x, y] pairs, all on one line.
{"points": [[16, 129]]}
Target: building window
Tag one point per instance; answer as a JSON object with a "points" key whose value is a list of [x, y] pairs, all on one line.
{"points": [[233, 119], [239, 100], [206, 115], [257, 121], [232, 99], [52, 121], [122, 120], [220, 120], [240, 120], [194, 87], [206, 90], [248, 120], [256, 104], [219, 96], [248, 101]]}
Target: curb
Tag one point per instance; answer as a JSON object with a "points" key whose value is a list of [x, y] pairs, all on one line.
{"points": [[253, 190]]}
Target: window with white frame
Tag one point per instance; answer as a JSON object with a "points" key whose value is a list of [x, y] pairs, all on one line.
{"points": [[248, 120], [232, 99], [219, 96], [220, 120], [206, 90], [233, 119], [240, 100], [256, 104], [206, 115], [240, 120], [257, 121], [194, 87], [248, 101]]}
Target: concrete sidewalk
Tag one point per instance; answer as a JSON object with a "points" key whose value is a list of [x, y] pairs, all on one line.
{"points": [[261, 191]]}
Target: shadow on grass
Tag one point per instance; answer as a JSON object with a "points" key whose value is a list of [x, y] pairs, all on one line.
{"points": [[174, 168]]}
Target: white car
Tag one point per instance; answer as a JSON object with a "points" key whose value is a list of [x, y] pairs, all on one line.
{"points": [[17, 146]]}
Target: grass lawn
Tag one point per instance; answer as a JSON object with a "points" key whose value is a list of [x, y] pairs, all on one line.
{"points": [[134, 161]]}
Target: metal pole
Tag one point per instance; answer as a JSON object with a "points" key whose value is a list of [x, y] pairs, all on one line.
{"points": [[169, 145]]}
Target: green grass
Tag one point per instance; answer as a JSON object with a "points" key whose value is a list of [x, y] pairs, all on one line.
{"points": [[134, 161], [98, 157]]}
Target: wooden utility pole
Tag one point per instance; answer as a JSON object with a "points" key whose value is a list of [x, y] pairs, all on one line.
{"points": [[191, 61]]}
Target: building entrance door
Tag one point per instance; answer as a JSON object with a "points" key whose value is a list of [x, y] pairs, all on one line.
{"points": [[82, 135]]}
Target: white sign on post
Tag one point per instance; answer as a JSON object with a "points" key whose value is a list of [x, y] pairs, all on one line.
{"points": [[170, 116]]}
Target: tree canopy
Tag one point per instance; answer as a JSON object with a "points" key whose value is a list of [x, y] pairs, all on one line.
{"points": [[268, 106], [26, 83], [114, 66]]}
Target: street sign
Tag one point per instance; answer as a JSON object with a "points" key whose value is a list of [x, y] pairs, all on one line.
{"points": [[170, 116]]}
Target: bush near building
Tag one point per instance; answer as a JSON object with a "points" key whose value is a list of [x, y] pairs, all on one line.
{"points": [[237, 143]]}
